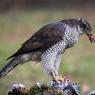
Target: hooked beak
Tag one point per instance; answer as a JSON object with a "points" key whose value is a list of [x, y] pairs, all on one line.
{"points": [[91, 38]]}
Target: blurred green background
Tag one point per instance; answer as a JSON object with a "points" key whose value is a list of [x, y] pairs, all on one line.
{"points": [[21, 18]]}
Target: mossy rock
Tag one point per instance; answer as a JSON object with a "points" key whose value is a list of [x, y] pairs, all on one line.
{"points": [[44, 89]]}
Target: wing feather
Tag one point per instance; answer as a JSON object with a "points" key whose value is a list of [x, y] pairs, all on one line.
{"points": [[42, 39]]}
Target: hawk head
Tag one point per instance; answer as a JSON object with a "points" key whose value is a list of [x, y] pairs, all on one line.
{"points": [[86, 29]]}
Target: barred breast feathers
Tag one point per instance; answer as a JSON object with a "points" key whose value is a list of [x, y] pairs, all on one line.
{"points": [[71, 35], [50, 56]]}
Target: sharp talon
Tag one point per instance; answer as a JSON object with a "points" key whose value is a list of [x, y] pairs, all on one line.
{"points": [[61, 79], [58, 79]]}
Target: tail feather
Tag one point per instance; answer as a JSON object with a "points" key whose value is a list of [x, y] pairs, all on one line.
{"points": [[21, 59], [11, 65]]}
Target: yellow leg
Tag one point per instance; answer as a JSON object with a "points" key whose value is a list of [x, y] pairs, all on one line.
{"points": [[56, 78], [52, 75]]}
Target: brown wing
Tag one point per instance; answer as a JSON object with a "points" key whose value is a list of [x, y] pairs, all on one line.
{"points": [[43, 39]]}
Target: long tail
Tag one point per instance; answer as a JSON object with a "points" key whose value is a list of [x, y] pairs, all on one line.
{"points": [[11, 65], [20, 59]]}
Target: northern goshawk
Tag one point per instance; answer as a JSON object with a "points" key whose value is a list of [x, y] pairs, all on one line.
{"points": [[48, 44]]}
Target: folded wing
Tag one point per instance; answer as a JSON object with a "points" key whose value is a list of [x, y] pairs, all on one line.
{"points": [[42, 39]]}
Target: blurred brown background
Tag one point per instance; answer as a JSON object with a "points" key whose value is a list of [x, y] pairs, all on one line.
{"points": [[6, 5]]}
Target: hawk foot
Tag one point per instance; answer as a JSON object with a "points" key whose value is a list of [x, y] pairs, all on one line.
{"points": [[61, 79]]}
